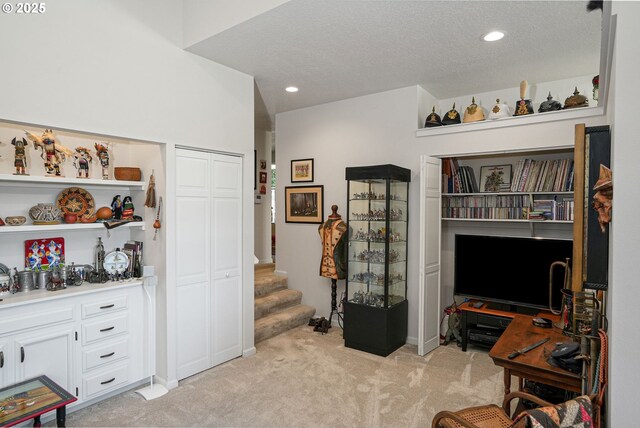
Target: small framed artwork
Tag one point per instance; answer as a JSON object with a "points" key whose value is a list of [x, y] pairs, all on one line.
{"points": [[495, 178], [263, 164], [263, 189], [302, 171], [304, 204], [263, 177]]}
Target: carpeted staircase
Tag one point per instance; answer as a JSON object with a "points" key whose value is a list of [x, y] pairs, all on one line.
{"points": [[276, 309]]}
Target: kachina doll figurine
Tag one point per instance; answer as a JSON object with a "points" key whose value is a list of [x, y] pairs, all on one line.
{"points": [[116, 207], [127, 208], [52, 152], [81, 161], [103, 156], [21, 156]]}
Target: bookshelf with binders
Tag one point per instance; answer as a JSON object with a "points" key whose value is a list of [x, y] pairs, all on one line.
{"points": [[537, 188]]}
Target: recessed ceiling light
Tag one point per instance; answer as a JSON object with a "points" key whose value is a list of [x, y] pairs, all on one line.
{"points": [[493, 36], [291, 89]]}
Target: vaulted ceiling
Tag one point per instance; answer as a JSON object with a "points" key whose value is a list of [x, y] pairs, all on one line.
{"points": [[337, 49]]}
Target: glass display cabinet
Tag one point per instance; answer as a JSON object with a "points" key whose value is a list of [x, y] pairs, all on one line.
{"points": [[375, 307]]}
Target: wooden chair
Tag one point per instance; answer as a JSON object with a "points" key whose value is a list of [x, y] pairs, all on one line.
{"points": [[489, 416]]}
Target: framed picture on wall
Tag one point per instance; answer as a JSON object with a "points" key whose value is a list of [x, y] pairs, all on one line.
{"points": [[263, 164], [263, 177], [304, 204], [302, 171], [495, 178]]}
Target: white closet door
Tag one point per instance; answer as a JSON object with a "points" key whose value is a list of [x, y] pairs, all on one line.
{"points": [[226, 298], [193, 261], [430, 222]]}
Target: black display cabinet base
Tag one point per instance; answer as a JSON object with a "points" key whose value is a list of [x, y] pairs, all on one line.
{"points": [[374, 330]]}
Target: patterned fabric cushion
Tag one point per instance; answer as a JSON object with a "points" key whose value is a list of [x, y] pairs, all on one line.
{"points": [[576, 413]]}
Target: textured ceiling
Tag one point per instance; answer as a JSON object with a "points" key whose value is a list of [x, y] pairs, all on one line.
{"points": [[337, 49]]}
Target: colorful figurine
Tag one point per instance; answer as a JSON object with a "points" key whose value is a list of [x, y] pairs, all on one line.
{"points": [[81, 161], [103, 156], [52, 152], [116, 207], [127, 208], [21, 156]]}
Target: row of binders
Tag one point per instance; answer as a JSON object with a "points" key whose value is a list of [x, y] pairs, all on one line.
{"points": [[543, 176], [457, 179]]}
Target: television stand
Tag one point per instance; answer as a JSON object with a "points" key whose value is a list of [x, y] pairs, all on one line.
{"points": [[505, 307]]}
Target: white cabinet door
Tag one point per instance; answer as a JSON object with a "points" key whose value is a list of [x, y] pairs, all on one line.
{"points": [[193, 267], [209, 255], [6, 364], [47, 352], [429, 284], [226, 296]]}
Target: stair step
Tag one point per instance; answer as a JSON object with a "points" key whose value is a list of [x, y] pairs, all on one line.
{"points": [[264, 267], [275, 302], [264, 285], [279, 322]]}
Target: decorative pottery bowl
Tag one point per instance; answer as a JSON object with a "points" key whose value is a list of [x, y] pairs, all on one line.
{"points": [[104, 213], [45, 214], [127, 173], [15, 220]]}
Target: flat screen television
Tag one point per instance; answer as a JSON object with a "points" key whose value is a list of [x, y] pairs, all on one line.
{"points": [[512, 272]]}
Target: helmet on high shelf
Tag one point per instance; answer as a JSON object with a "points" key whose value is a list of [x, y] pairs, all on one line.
{"points": [[452, 117], [473, 113], [433, 119], [499, 110]]}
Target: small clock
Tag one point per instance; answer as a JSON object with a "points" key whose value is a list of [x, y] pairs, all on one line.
{"points": [[116, 262]]}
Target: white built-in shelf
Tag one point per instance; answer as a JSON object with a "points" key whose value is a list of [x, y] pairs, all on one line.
{"points": [[38, 181], [62, 227], [551, 116], [509, 220], [508, 194]]}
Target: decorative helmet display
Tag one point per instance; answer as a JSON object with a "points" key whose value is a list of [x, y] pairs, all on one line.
{"points": [[499, 110], [433, 119], [473, 113], [576, 100], [523, 106], [549, 105], [452, 117]]}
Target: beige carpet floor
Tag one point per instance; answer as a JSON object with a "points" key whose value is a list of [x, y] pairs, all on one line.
{"points": [[305, 379]]}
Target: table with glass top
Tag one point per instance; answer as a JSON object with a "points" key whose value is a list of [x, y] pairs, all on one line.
{"points": [[32, 398]]}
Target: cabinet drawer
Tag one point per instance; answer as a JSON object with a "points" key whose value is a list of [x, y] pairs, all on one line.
{"points": [[110, 379], [104, 329], [105, 306], [38, 318], [105, 354]]}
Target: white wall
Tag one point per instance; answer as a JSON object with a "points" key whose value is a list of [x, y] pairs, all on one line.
{"points": [[370, 130], [625, 232], [206, 18], [117, 68]]}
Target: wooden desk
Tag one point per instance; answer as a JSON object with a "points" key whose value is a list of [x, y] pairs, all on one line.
{"points": [[532, 365]]}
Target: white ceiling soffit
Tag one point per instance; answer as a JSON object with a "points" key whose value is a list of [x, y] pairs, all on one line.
{"points": [[337, 49]]}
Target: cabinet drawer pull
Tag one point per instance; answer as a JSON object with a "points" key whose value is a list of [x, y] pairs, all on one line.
{"points": [[1, 359], [108, 381], [107, 355], [107, 329], [107, 306], [22, 354]]}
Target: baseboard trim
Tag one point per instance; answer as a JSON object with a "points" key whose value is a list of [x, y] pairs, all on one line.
{"points": [[167, 384], [267, 260], [412, 340], [281, 272], [249, 352]]}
